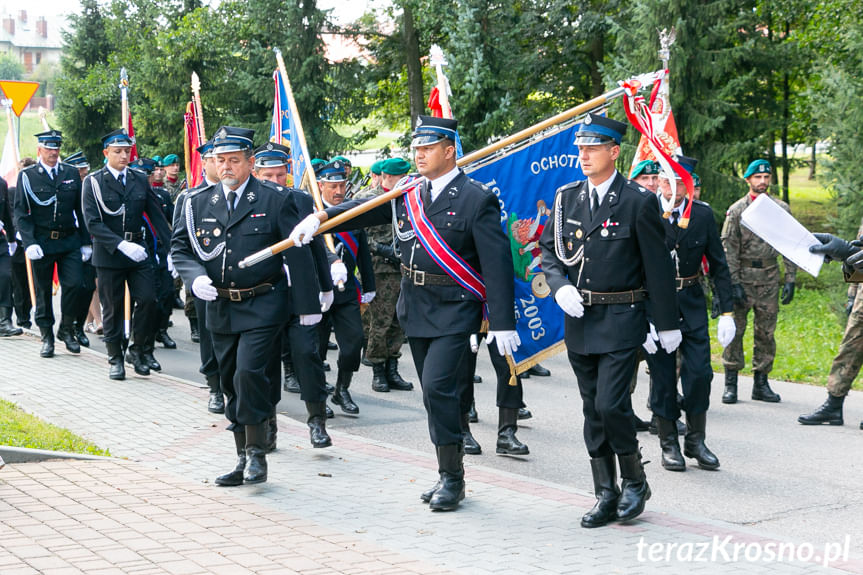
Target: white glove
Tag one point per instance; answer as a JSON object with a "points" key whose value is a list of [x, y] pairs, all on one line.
{"points": [[311, 319], [670, 339], [203, 288], [649, 344], [12, 246], [134, 252], [367, 297], [507, 341], [304, 231], [339, 272], [326, 298], [570, 300], [86, 253], [725, 330], [34, 252]]}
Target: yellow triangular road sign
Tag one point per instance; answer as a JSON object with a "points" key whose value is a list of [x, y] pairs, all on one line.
{"points": [[19, 92]]}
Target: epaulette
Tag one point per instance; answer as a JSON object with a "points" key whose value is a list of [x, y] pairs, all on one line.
{"points": [[197, 190], [271, 185], [569, 186], [702, 202], [30, 167]]}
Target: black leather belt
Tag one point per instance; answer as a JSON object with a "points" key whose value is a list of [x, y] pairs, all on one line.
{"points": [[605, 298], [59, 234], [686, 282], [133, 236], [421, 278], [248, 293]]}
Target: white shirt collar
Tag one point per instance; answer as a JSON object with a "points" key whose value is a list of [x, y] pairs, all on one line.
{"points": [[114, 172], [239, 191], [210, 182], [602, 188], [47, 168], [438, 184]]}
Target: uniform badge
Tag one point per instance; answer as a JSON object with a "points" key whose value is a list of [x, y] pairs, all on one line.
{"points": [[401, 224], [206, 242], [217, 232], [588, 120], [578, 234], [250, 196], [198, 233], [604, 232], [214, 199], [569, 244]]}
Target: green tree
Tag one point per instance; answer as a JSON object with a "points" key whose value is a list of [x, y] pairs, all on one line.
{"points": [[10, 68]]}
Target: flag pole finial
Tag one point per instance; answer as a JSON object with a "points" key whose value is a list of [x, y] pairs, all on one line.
{"points": [[666, 39]]}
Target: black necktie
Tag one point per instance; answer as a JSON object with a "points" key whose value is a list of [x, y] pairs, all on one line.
{"points": [[594, 202], [54, 173], [121, 177], [232, 197], [427, 194], [674, 216]]}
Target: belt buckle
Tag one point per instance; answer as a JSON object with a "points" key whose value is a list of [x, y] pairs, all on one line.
{"points": [[55, 235], [127, 236], [235, 295], [588, 300], [419, 278]]}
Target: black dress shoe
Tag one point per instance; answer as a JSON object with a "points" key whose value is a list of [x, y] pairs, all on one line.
{"points": [[79, 334], [524, 413], [477, 378], [66, 335], [216, 403], [640, 424], [329, 411], [539, 371]]}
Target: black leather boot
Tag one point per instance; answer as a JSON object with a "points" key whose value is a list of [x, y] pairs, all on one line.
{"points": [[693, 443], [730, 393], [115, 359], [193, 330], [147, 354], [394, 378], [379, 378], [672, 460], [66, 334], [524, 413], [640, 424], [507, 442], [472, 415], [235, 477], [427, 495], [341, 395], [761, 389], [135, 356], [450, 460], [317, 423], [256, 453], [830, 412], [607, 493], [47, 342], [272, 434], [216, 402], [165, 339], [291, 383], [471, 446], [78, 332], [634, 488], [653, 429], [329, 410], [6, 327]]}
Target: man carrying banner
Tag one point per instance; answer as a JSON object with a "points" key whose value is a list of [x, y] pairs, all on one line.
{"points": [[754, 285], [688, 246], [48, 217], [452, 246], [115, 201], [603, 252], [246, 309]]}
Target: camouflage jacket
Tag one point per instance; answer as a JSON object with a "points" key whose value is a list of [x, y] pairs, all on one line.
{"points": [[175, 188], [382, 234], [751, 260]]}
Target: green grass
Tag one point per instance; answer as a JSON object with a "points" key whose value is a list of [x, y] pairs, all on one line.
{"points": [[20, 429], [30, 124]]}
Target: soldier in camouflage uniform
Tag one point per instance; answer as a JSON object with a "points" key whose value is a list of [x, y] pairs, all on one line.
{"points": [[385, 336], [755, 285]]}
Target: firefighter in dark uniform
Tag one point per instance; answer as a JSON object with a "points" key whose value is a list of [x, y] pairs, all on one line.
{"points": [[48, 217], [8, 245], [271, 164], [115, 200], [209, 366], [603, 252], [85, 296], [688, 246], [246, 308], [353, 254], [436, 312]]}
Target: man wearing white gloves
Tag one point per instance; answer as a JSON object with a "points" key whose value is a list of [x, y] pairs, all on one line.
{"points": [[353, 254], [246, 308], [446, 216], [115, 200], [689, 245], [48, 217], [603, 253]]}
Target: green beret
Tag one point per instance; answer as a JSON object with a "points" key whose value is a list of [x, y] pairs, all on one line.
{"points": [[158, 160], [396, 167], [317, 162], [343, 160], [696, 181], [646, 167], [757, 167], [377, 167], [170, 159]]}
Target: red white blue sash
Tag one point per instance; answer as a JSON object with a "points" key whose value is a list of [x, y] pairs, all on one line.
{"points": [[350, 243], [449, 261]]}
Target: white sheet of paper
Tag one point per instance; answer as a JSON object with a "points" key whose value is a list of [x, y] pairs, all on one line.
{"points": [[766, 219]]}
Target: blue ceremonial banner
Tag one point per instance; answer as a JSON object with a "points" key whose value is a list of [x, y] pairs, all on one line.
{"points": [[525, 182], [283, 129]]}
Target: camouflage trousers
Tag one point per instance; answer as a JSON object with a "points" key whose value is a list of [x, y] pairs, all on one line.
{"points": [[385, 336], [763, 300], [848, 361]]}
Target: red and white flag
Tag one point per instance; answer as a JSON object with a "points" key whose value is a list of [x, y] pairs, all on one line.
{"points": [[663, 124], [9, 161]]}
